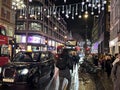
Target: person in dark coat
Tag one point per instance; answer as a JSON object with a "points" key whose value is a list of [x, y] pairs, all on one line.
{"points": [[75, 58], [108, 65], [115, 75], [64, 68]]}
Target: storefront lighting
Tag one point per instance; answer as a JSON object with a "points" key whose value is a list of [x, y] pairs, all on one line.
{"points": [[65, 37], [30, 0], [112, 43]]}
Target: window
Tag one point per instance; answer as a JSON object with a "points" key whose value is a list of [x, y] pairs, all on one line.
{"points": [[23, 57], [35, 26], [2, 31], [5, 14], [8, 15], [4, 50], [2, 12], [35, 56]]}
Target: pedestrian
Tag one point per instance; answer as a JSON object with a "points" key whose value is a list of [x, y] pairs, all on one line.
{"points": [[75, 58], [115, 75], [108, 65], [64, 67], [95, 60], [102, 63], [116, 59]]}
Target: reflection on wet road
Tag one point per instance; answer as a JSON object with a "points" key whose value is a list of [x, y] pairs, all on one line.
{"points": [[75, 79]]}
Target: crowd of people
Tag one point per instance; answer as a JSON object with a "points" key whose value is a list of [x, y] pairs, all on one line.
{"points": [[110, 64]]}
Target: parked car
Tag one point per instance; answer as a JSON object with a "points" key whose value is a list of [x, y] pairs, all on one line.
{"points": [[33, 68]]}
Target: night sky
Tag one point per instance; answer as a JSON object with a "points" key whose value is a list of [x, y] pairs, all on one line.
{"points": [[77, 25]]}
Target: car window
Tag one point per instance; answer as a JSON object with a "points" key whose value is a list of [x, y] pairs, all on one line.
{"points": [[35, 56], [22, 57], [27, 58], [18, 57]]}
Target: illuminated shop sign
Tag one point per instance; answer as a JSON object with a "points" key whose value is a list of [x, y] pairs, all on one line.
{"points": [[71, 43], [33, 39], [49, 42], [51, 48], [36, 39], [23, 39]]}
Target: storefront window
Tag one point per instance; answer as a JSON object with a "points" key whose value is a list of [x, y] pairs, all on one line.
{"points": [[4, 50], [2, 31], [45, 30], [35, 26], [20, 39], [20, 26]]}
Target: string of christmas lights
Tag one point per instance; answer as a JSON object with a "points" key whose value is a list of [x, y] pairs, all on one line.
{"points": [[69, 11]]}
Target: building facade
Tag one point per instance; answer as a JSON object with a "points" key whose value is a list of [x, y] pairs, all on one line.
{"points": [[7, 18], [100, 33], [38, 27], [94, 48], [114, 43]]}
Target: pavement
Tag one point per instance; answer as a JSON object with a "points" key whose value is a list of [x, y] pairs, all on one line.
{"points": [[98, 81]]}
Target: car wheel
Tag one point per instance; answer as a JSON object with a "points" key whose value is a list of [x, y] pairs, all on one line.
{"points": [[36, 81]]}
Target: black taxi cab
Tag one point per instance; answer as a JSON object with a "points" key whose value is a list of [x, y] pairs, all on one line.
{"points": [[33, 68]]}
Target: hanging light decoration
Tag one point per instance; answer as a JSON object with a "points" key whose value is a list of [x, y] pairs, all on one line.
{"points": [[59, 15], [69, 10], [76, 9], [73, 13], [41, 16], [63, 9], [64, 1], [80, 16]]}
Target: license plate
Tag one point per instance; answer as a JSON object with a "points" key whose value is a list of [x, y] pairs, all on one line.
{"points": [[8, 80]]}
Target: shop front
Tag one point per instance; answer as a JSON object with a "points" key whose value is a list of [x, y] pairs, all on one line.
{"points": [[34, 42]]}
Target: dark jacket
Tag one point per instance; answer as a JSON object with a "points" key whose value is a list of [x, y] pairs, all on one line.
{"points": [[115, 75]]}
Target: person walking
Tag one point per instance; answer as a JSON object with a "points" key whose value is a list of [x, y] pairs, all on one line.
{"points": [[64, 65], [116, 59], [75, 58], [108, 65], [115, 75]]}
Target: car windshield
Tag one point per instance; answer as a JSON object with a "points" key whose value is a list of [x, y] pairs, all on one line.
{"points": [[23, 57]]}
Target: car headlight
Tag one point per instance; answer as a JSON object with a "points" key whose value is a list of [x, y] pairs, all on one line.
{"points": [[24, 71]]}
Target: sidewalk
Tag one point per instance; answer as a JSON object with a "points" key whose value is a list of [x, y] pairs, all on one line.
{"points": [[94, 82], [107, 82], [85, 82]]}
